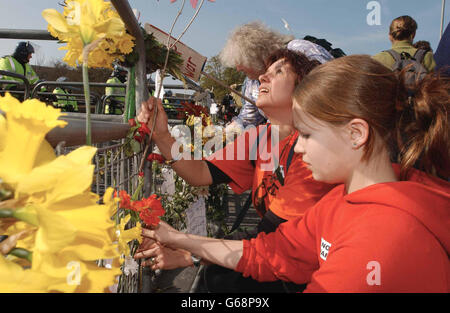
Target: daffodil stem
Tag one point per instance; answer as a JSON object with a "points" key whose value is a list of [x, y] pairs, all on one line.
{"points": [[6, 213], [87, 99], [22, 214], [138, 188], [87, 95], [22, 253]]}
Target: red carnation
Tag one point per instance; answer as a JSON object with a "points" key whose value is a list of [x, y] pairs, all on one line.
{"points": [[132, 122], [125, 200], [156, 157], [143, 129], [149, 210]]}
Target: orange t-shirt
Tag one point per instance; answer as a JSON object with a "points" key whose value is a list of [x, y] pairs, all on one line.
{"points": [[289, 200]]}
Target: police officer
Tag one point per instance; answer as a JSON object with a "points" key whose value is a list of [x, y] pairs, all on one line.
{"points": [[116, 104], [64, 101], [19, 63]]}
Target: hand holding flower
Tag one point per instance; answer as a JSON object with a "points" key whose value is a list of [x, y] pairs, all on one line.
{"points": [[146, 116], [161, 257], [163, 233]]}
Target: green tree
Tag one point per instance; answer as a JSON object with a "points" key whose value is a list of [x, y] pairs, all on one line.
{"points": [[226, 74]]}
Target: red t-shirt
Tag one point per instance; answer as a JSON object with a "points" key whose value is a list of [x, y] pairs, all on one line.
{"points": [[289, 200], [390, 237]]}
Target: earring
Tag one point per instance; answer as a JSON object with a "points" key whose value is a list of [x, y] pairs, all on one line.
{"points": [[355, 144]]}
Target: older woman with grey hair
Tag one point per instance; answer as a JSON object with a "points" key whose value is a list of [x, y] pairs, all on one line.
{"points": [[247, 49]]}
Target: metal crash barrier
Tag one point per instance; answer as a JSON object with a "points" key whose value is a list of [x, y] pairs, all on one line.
{"points": [[15, 90]]}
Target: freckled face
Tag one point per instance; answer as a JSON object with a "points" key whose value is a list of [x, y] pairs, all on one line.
{"points": [[323, 148]]}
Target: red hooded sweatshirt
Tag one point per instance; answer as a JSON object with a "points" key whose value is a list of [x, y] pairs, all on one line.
{"points": [[389, 237]]}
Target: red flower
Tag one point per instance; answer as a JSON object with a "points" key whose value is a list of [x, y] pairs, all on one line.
{"points": [[132, 122], [141, 174], [190, 108], [141, 131], [125, 200], [156, 157], [149, 210]]}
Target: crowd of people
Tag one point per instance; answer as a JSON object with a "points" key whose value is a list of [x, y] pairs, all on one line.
{"points": [[355, 198]]}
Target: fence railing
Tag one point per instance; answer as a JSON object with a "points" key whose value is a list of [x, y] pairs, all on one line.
{"points": [[24, 82]]}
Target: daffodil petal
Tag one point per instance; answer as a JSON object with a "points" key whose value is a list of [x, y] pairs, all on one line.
{"points": [[15, 279], [55, 232], [56, 20], [98, 279], [2, 132], [27, 124]]}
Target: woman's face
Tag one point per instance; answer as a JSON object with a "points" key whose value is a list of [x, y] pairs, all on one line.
{"points": [[324, 148], [277, 87]]}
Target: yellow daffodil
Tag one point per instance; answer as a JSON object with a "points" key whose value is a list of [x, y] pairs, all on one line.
{"points": [[98, 279], [27, 124], [13, 278], [125, 236], [2, 131], [66, 229], [84, 18], [85, 21]]}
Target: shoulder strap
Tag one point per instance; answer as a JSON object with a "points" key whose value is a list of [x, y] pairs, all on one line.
{"points": [[420, 55], [255, 145], [248, 202], [395, 55], [290, 155], [242, 213]]}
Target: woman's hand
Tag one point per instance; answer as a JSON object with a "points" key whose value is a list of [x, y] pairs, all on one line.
{"points": [[163, 258], [163, 233], [146, 116]]}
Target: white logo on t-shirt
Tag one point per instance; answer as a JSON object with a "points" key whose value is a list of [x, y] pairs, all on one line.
{"points": [[324, 249]]}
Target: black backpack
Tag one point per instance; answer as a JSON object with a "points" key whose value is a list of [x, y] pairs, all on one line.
{"points": [[415, 70], [336, 52]]}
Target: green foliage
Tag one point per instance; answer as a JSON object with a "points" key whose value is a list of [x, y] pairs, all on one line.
{"points": [[185, 194], [215, 209], [226, 74], [155, 54]]}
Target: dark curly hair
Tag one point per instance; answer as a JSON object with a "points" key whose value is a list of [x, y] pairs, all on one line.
{"points": [[300, 63]]}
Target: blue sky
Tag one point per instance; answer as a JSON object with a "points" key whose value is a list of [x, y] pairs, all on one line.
{"points": [[342, 22]]}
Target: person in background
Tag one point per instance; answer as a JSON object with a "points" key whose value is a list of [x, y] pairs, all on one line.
{"points": [[213, 110], [376, 231], [423, 44], [115, 105], [19, 63], [247, 49], [64, 100], [401, 34]]}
